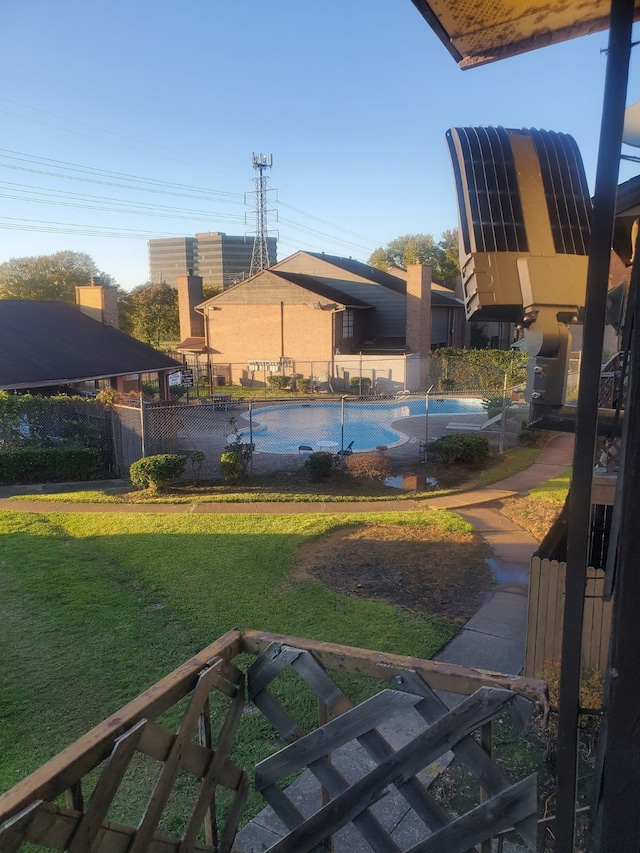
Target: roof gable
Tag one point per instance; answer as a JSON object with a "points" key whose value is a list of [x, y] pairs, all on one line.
{"points": [[270, 286], [331, 266]]}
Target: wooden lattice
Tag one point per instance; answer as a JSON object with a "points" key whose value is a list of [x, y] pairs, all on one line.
{"points": [[67, 803], [79, 827], [507, 805]]}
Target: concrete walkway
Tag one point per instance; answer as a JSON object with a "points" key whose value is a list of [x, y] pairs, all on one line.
{"points": [[493, 639]]}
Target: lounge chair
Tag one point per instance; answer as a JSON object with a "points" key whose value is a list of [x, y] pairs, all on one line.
{"points": [[467, 427], [304, 451]]}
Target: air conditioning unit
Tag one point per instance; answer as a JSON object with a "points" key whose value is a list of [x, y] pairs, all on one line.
{"points": [[524, 210]]}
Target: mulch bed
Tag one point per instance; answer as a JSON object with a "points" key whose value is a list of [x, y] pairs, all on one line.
{"points": [[419, 568]]}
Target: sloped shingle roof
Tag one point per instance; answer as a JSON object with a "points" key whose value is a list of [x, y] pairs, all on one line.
{"points": [[50, 343], [393, 282], [321, 289]]}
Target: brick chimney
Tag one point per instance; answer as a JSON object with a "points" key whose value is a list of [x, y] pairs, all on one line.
{"points": [[418, 334], [99, 301], [190, 295]]}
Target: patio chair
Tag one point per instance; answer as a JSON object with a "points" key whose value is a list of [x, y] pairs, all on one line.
{"points": [[304, 451], [342, 454]]}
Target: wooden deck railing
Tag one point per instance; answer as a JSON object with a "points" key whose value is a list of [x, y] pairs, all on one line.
{"points": [[65, 804]]}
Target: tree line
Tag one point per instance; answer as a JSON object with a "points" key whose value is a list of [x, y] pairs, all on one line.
{"points": [[149, 312]]}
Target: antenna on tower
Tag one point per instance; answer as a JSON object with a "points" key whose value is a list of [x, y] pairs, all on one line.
{"points": [[260, 259]]}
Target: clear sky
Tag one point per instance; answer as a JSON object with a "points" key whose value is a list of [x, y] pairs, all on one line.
{"points": [[124, 121]]}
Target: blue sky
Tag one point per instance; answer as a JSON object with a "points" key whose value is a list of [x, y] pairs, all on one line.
{"points": [[124, 121]]}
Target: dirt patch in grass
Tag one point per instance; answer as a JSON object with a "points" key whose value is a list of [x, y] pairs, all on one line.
{"points": [[419, 568], [533, 514]]}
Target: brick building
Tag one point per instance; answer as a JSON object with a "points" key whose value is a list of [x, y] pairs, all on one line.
{"points": [[325, 318], [55, 345]]}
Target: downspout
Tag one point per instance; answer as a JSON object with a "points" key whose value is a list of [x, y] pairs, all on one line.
{"points": [[206, 344], [282, 335]]}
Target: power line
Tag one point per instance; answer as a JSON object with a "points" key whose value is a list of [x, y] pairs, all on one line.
{"points": [[151, 185], [46, 226]]}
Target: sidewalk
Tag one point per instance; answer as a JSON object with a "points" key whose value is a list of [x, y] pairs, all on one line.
{"points": [[553, 459]]}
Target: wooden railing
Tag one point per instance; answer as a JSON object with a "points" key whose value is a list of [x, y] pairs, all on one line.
{"points": [[89, 773]]}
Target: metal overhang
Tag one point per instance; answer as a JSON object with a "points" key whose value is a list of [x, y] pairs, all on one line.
{"points": [[476, 32]]}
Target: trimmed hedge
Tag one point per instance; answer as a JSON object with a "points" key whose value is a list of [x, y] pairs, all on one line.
{"points": [[461, 449], [319, 465], [154, 472], [48, 464]]}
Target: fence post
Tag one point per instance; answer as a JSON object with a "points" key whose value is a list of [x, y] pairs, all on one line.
{"points": [[143, 429], [504, 414], [251, 435]]}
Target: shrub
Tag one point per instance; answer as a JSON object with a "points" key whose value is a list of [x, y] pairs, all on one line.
{"points": [[461, 449], [236, 456], [494, 405], [277, 382], [109, 397], [369, 466], [154, 472], [530, 437], [234, 460], [319, 465], [358, 382], [80, 433], [48, 464], [303, 385]]}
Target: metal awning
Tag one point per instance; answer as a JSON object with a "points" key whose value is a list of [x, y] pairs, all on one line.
{"points": [[479, 31], [194, 344]]}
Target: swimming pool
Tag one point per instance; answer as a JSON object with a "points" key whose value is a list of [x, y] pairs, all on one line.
{"points": [[282, 429]]}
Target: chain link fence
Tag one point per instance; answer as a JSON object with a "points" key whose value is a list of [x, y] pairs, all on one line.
{"points": [[357, 373], [29, 421], [283, 433]]}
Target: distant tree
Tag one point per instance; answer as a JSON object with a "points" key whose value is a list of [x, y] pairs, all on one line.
{"points": [[48, 276], [149, 312], [441, 256], [450, 264], [210, 290]]}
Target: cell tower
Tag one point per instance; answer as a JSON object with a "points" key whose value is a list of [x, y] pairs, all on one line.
{"points": [[260, 259]]}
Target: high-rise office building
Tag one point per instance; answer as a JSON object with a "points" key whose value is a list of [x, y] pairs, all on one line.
{"points": [[220, 259], [170, 257]]}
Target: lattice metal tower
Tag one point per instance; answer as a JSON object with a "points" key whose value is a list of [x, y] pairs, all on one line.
{"points": [[260, 256]]}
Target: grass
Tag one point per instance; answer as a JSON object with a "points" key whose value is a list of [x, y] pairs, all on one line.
{"points": [[285, 488], [554, 490], [97, 607], [537, 511]]}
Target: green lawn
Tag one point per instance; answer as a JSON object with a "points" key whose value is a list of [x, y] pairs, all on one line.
{"points": [[94, 608], [554, 490]]}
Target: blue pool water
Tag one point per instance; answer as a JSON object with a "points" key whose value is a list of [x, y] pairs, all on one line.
{"points": [[282, 429]]}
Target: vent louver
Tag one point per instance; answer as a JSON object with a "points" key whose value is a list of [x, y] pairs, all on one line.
{"points": [[524, 210]]}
